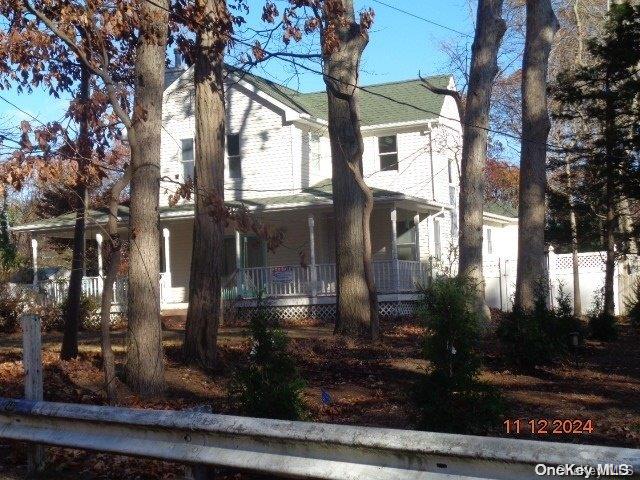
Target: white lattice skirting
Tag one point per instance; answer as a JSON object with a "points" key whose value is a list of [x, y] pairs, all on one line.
{"points": [[323, 312]]}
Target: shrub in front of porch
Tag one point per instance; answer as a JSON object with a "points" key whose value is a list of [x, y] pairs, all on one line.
{"points": [[269, 386], [602, 326], [450, 396], [12, 304], [529, 339], [53, 315]]}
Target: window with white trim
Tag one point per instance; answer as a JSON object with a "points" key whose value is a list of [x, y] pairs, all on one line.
{"points": [[388, 152], [234, 155], [187, 158]]}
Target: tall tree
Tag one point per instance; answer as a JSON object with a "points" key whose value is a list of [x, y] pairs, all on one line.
{"points": [[542, 25], [112, 253], [145, 361], [602, 94], [213, 30], [490, 29], [343, 42], [8, 252], [72, 314], [343, 39], [123, 33]]}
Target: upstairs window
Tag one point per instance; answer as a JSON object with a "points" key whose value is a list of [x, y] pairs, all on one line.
{"points": [[187, 159], [388, 151], [235, 158]]}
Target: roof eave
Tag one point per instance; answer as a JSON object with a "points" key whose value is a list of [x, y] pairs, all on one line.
{"points": [[427, 122], [500, 218]]}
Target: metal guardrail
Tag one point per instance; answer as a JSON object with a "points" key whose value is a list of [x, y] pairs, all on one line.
{"points": [[292, 449]]}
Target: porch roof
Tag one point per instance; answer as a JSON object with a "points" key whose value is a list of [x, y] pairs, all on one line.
{"points": [[318, 195]]}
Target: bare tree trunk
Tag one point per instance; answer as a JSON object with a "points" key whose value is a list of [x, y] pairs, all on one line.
{"points": [[113, 255], [623, 211], [74, 296], [356, 293], [490, 29], [374, 323], [205, 287], [611, 195], [145, 362], [610, 262], [577, 299], [542, 25], [573, 222]]}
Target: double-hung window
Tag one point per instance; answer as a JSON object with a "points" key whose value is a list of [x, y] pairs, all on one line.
{"points": [[234, 155], [187, 159], [388, 151]]}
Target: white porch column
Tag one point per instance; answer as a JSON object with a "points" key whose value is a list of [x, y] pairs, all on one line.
{"points": [[238, 264], [394, 234], [313, 277], [416, 226], [34, 259], [166, 235], [100, 265], [394, 250], [165, 279]]}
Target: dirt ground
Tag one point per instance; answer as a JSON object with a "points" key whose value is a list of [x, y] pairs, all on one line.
{"points": [[368, 385]]}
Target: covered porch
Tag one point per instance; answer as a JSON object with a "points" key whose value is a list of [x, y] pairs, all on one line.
{"points": [[406, 236]]}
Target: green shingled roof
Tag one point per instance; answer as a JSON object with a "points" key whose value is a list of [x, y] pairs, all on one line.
{"points": [[320, 194], [501, 208], [94, 216], [393, 102]]}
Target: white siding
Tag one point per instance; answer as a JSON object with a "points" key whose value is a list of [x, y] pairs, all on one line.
{"points": [[267, 145], [279, 157], [504, 239]]}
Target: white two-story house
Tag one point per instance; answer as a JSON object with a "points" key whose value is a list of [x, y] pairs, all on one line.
{"points": [[278, 165]]}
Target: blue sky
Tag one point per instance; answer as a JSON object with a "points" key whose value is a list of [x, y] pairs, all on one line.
{"points": [[400, 46]]}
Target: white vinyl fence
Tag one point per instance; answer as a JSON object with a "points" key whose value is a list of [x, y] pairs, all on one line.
{"points": [[500, 279]]}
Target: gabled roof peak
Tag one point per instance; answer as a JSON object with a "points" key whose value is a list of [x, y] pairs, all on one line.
{"points": [[393, 102]]}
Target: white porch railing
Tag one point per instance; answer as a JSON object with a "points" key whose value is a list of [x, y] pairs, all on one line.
{"points": [[56, 291], [391, 276]]}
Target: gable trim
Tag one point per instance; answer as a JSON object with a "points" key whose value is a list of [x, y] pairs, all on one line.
{"points": [[290, 115]]}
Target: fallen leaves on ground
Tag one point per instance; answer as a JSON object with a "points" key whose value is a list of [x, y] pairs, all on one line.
{"points": [[366, 385]]}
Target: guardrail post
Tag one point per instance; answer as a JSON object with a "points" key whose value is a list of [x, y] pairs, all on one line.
{"points": [[33, 382], [200, 472]]}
